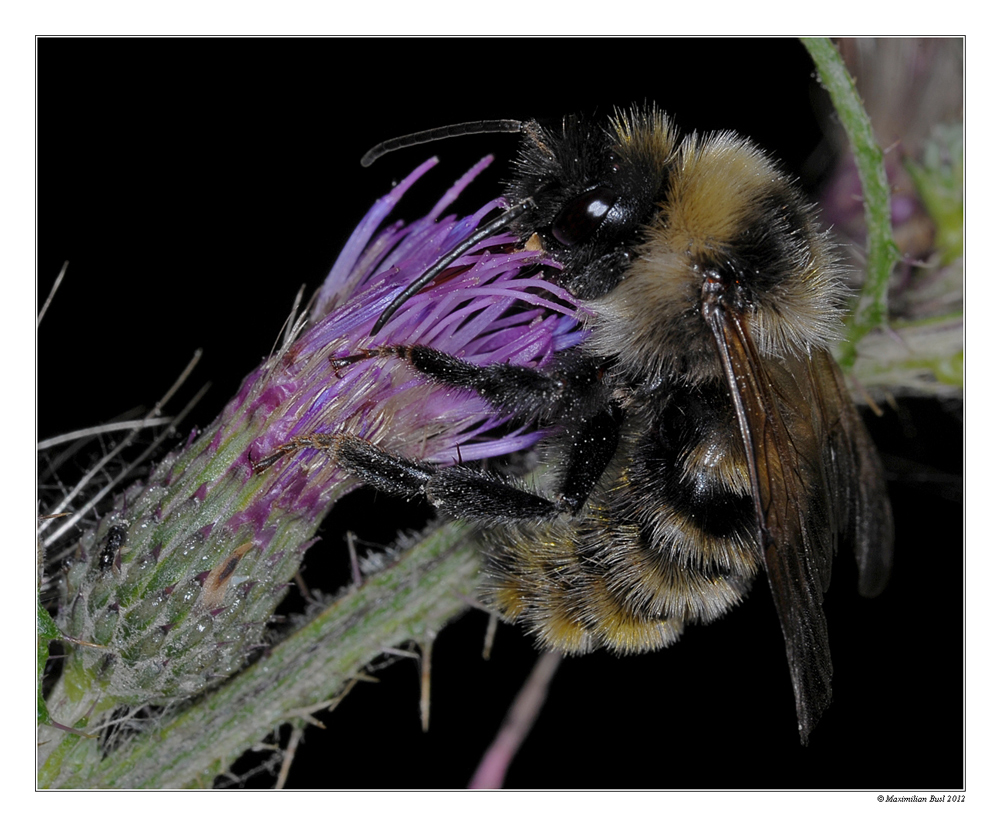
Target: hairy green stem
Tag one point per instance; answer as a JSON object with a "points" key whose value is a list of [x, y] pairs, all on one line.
{"points": [[188, 746], [882, 252]]}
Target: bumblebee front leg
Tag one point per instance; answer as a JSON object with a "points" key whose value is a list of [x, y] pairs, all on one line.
{"points": [[521, 391]]}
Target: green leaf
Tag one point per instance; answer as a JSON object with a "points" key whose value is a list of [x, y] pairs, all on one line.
{"points": [[46, 631]]}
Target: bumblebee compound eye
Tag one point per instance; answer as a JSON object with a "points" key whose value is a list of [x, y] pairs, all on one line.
{"points": [[583, 215]]}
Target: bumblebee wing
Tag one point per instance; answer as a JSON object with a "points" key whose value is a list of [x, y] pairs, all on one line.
{"points": [[781, 422], [853, 475]]}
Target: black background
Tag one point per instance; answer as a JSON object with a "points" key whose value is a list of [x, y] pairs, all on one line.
{"points": [[195, 185]]}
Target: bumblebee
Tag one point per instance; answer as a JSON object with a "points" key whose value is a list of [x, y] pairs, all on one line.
{"points": [[704, 429]]}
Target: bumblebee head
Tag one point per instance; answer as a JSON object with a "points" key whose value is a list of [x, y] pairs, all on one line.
{"points": [[595, 190], [643, 221], [728, 227]]}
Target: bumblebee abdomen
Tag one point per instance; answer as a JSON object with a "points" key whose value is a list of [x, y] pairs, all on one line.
{"points": [[608, 587], [667, 539], [537, 576]]}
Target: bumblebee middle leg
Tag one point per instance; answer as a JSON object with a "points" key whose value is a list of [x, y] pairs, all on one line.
{"points": [[458, 491], [469, 493]]}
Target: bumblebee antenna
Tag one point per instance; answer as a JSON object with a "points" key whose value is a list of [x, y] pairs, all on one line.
{"points": [[484, 231], [474, 127]]}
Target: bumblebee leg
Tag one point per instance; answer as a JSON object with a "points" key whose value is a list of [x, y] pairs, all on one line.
{"points": [[522, 391], [468, 493], [572, 391], [458, 491], [592, 444]]}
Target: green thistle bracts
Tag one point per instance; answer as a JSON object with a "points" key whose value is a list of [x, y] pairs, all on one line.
{"points": [[168, 600]]}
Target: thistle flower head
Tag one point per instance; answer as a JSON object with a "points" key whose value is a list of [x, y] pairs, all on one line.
{"points": [[175, 586], [493, 305]]}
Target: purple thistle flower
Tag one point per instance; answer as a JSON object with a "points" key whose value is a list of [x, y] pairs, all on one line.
{"points": [[205, 546], [492, 308]]}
